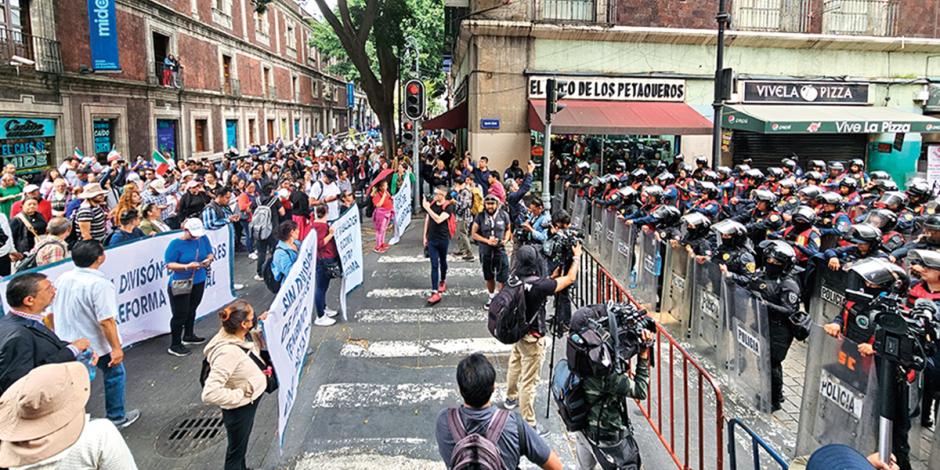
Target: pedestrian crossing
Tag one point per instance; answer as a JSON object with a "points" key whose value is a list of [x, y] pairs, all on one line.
{"points": [[396, 369]]}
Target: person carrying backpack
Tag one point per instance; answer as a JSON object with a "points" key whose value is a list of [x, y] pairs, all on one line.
{"points": [[607, 440], [285, 255], [481, 436], [525, 360], [266, 217]]}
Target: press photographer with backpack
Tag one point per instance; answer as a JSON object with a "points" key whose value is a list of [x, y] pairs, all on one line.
{"points": [[478, 435], [523, 301]]}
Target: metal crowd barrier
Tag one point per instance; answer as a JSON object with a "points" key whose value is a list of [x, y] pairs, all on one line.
{"points": [[757, 443], [683, 398]]}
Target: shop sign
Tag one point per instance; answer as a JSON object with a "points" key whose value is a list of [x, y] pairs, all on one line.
{"points": [[102, 130], [611, 89], [27, 143], [760, 91]]}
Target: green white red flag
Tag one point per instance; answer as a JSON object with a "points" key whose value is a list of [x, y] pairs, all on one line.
{"points": [[163, 164]]}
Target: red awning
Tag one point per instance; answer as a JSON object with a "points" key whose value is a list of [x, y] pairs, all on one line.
{"points": [[455, 118], [621, 117]]}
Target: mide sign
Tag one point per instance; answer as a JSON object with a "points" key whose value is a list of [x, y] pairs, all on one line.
{"points": [[801, 92]]}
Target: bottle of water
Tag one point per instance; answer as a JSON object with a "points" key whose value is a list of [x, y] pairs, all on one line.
{"points": [[85, 358]]}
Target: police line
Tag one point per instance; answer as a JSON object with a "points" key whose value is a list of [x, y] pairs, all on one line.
{"points": [[728, 326], [139, 273]]}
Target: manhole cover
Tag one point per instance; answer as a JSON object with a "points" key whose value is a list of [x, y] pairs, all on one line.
{"points": [[191, 432]]}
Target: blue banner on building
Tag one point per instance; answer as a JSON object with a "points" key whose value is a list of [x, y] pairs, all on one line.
{"points": [[350, 96], [103, 35]]}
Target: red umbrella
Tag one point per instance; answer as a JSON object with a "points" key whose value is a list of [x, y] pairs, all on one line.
{"points": [[383, 175]]}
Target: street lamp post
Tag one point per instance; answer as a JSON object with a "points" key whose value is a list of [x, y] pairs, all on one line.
{"points": [[723, 18]]}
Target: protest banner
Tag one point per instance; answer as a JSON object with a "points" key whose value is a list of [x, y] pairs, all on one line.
{"points": [[402, 203], [347, 232], [287, 328], [933, 167], [138, 271]]}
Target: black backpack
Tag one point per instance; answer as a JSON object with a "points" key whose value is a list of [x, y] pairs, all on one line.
{"points": [[570, 399], [507, 320], [29, 262], [267, 273]]}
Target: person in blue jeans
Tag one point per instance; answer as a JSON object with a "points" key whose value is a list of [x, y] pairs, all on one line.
{"points": [[286, 251], [437, 234], [327, 255]]}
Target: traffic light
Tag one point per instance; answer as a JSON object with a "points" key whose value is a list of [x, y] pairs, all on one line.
{"points": [[554, 92], [408, 133], [414, 100]]}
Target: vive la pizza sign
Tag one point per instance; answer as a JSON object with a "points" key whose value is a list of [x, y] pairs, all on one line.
{"points": [[761, 91], [611, 88]]}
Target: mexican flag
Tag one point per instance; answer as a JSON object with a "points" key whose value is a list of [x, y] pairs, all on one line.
{"points": [[78, 154], [163, 165], [114, 155]]}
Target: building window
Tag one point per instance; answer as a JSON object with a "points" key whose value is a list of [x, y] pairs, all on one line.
{"points": [[231, 134], [568, 10], [222, 12], [267, 83], [291, 36], [262, 26], [295, 87], [861, 17], [227, 74], [103, 133], [270, 130], [12, 19], [201, 133], [251, 132]]}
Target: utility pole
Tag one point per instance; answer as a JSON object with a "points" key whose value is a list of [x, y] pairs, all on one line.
{"points": [[554, 91], [724, 18]]}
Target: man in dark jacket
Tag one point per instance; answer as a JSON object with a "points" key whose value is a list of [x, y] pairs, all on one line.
{"points": [[25, 342]]}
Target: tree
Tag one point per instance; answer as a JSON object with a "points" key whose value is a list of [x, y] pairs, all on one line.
{"points": [[349, 35]]}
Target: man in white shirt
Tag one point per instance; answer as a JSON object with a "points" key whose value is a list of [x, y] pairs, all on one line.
{"points": [[86, 306], [326, 192]]}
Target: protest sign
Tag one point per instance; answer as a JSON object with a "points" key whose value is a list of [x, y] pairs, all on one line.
{"points": [[347, 231], [138, 271], [402, 203], [287, 329], [933, 167]]}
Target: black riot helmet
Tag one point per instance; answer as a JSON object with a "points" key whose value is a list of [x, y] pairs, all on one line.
{"points": [[666, 216], [620, 166], [653, 192], [627, 195], [849, 182], [926, 258], [861, 234], [724, 172], [639, 175], [917, 190], [779, 251], [880, 275], [836, 166], [763, 195], [884, 186], [814, 176], [789, 164], [817, 165], [830, 198], [708, 189], [932, 223], [809, 193], [730, 233], [857, 163], [882, 219], [741, 168], [665, 179], [879, 175], [701, 160], [756, 176], [804, 215], [892, 200], [709, 175], [694, 226], [775, 173]]}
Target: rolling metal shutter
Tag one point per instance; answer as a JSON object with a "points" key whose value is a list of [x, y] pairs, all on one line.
{"points": [[768, 149]]}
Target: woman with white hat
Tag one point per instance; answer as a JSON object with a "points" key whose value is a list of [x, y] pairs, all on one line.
{"points": [[43, 425], [188, 257]]}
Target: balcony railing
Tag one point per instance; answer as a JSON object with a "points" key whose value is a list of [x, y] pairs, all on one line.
{"points": [[568, 10], [167, 80], [272, 92], [791, 16], [860, 17], [44, 52], [236, 87]]}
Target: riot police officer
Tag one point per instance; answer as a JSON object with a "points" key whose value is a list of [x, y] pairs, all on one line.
{"points": [[776, 285], [734, 249], [762, 219], [693, 234], [886, 221], [929, 240], [862, 241], [925, 265]]}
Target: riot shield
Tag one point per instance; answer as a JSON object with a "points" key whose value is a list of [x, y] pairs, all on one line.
{"points": [[828, 297], [596, 231], [676, 288], [569, 199], [580, 211], [607, 240], [750, 358], [839, 396], [934, 460], [709, 325], [558, 197], [649, 268], [623, 253]]}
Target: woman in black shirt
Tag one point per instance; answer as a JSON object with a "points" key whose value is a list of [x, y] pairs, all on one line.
{"points": [[437, 235]]}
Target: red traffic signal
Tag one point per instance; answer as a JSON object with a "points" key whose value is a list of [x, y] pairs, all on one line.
{"points": [[409, 126], [414, 100]]}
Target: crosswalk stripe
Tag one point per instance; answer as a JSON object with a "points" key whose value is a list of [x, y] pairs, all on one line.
{"points": [[393, 293], [374, 395], [419, 315], [417, 259], [429, 348], [423, 271]]}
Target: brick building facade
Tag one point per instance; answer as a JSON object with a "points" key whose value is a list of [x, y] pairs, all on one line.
{"points": [[244, 78]]}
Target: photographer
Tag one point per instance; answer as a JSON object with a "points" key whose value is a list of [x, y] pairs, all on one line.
{"points": [[608, 439], [777, 286], [925, 264], [492, 230], [559, 251]]}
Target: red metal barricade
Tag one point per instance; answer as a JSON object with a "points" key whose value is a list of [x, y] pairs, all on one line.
{"points": [[696, 415]]}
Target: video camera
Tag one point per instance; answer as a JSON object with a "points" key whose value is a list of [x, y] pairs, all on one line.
{"points": [[903, 336], [559, 248]]}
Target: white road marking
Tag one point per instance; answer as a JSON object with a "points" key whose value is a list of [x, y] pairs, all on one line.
{"points": [[400, 293], [419, 259], [422, 271], [373, 395], [354, 459], [430, 348], [419, 315]]}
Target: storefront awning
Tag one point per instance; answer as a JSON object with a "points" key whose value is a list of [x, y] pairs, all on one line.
{"points": [[455, 118], [621, 117], [802, 119]]}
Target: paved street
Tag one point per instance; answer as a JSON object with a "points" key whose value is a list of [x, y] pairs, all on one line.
{"points": [[372, 387]]}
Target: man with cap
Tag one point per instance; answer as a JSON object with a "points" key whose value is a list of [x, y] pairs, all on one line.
{"points": [[91, 219], [492, 230], [156, 193], [25, 342], [86, 306], [31, 191], [43, 424], [326, 192]]}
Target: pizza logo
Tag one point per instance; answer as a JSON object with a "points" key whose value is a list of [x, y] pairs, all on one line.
{"points": [[731, 118], [809, 93], [775, 126]]}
